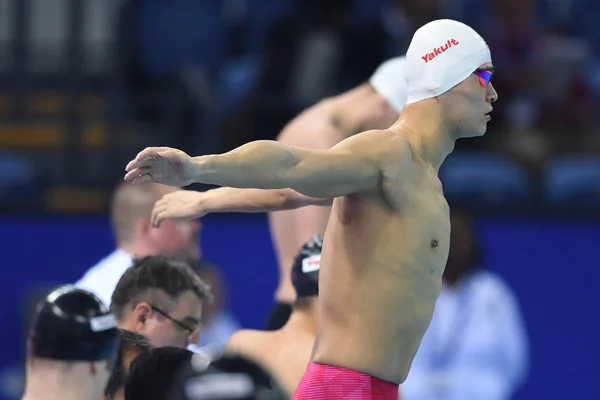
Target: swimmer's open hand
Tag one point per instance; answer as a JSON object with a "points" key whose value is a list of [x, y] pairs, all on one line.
{"points": [[161, 165], [180, 205]]}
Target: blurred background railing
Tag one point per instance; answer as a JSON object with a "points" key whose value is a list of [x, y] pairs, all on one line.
{"points": [[86, 84]]}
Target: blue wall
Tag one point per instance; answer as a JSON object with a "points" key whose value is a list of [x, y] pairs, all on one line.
{"points": [[552, 265]]}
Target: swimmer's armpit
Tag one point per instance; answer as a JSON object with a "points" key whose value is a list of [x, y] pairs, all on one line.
{"points": [[345, 169]]}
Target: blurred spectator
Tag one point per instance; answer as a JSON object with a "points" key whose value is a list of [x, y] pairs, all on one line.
{"points": [[131, 210], [302, 63], [169, 56], [218, 322], [71, 347], [402, 18], [476, 346], [152, 374], [540, 79], [161, 299], [131, 345], [319, 49], [516, 41], [12, 379]]}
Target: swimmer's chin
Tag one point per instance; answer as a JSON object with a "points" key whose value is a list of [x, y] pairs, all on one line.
{"points": [[479, 132]]}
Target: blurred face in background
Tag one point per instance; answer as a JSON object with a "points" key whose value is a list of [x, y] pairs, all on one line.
{"points": [[177, 238], [169, 322], [174, 238], [131, 217]]}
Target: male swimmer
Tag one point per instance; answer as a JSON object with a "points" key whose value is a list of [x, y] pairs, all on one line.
{"points": [[386, 242], [373, 105], [286, 352]]}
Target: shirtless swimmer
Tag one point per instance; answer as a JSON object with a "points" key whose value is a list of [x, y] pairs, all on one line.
{"points": [[375, 104], [386, 242]]}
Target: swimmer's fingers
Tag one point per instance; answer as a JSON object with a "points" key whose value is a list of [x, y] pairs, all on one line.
{"points": [[162, 165], [156, 216], [174, 206], [140, 175], [146, 167], [145, 156], [159, 216], [160, 213]]}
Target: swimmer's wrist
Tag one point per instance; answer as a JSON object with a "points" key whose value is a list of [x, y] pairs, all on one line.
{"points": [[202, 167], [206, 203]]}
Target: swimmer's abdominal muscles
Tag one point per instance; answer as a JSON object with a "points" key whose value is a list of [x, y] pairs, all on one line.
{"points": [[266, 164]]}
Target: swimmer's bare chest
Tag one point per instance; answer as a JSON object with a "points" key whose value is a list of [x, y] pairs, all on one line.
{"points": [[380, 278]]}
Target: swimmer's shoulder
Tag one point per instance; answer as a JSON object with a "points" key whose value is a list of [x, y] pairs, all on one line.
{"points": [[245, 341], [384, 145]]}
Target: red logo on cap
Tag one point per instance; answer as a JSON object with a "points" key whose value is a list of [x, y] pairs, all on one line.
{"points": [[439, 50]]}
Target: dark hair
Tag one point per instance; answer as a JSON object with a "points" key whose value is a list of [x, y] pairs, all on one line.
{"points": [[128, 341], [153, 373], [171, 276]]}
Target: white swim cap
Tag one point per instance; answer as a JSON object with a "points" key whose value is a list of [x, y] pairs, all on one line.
{"points": [[441, 55], [388, 80]]}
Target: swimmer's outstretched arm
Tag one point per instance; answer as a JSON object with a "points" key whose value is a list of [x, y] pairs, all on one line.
{"points": [[350, 167], [186, 204]]}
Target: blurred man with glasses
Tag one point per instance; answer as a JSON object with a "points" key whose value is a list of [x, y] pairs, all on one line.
{"points": [[160, 298]]}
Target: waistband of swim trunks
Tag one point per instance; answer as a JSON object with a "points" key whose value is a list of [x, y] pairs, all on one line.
{"points": [[380, 384]]}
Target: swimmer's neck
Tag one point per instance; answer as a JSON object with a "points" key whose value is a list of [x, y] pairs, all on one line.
{"points": [[429, 139], [48, 384], [304, 319]]}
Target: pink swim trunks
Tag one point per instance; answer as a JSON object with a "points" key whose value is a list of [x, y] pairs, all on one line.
{"points": [[326, 382]]}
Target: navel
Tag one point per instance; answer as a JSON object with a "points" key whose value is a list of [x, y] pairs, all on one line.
{"points": [[434, 244]]}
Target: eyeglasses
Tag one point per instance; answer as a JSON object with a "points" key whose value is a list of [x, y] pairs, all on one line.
{"points": [[483, 77], [177, 322]]}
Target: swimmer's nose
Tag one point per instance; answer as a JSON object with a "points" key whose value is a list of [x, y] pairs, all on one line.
{"points": [[492, 94]]}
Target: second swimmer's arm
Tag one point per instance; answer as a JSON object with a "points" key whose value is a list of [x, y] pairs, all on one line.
{"points": [[227, 199], [272, 165], [187, 204]]}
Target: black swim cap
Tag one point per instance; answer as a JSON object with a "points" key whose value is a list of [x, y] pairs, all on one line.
{"points": [[305, 271], [231, 377], [73, 325]]}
